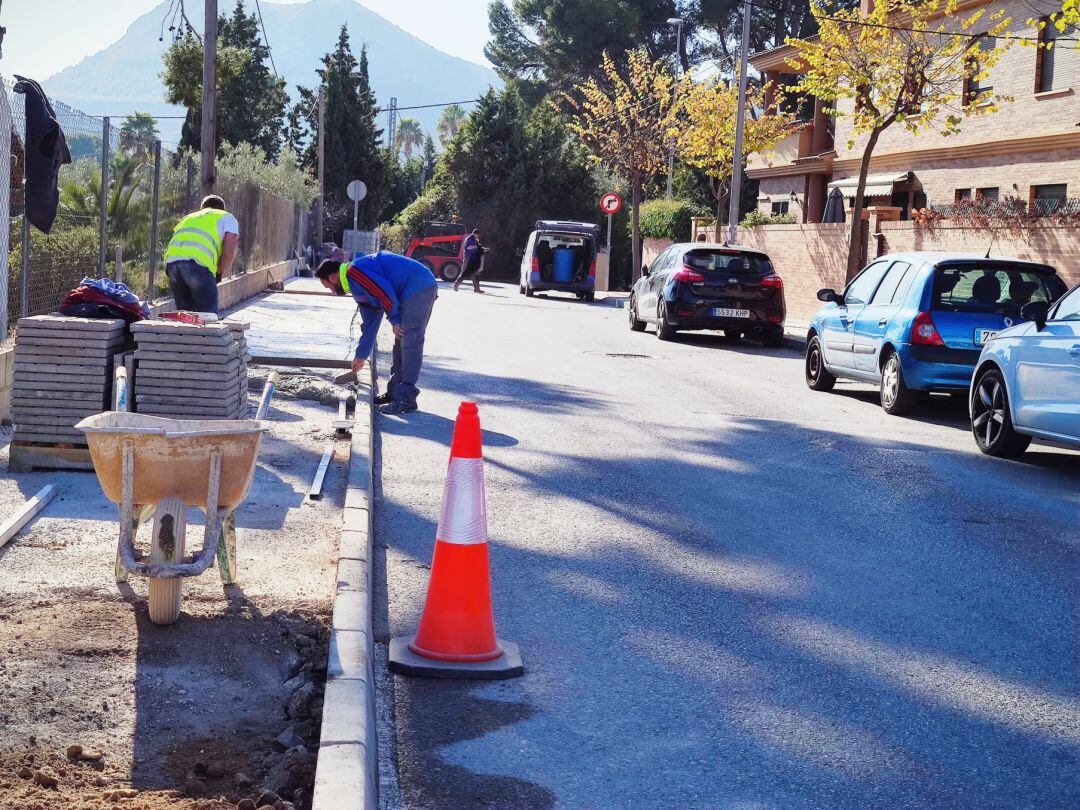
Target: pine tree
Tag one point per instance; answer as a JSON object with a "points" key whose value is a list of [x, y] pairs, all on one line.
{"points": [[351, 139], [429, 160]]}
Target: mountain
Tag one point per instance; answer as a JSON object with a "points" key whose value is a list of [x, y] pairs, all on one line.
{"points": [[125, 76]]}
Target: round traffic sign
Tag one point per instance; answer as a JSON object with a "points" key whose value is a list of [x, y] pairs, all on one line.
{"points": [[611, 203], [357, 190]]}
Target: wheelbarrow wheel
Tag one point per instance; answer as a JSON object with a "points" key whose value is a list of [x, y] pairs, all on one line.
{"points": [[167, 546], [164, 600]]}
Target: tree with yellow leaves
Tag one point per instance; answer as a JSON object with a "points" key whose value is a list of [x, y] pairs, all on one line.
{"points": [[916, 63], [707, 142], [627, 121]]}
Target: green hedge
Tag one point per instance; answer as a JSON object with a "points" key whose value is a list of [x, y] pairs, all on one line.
{"points": [[755, 218], [668, 219]]}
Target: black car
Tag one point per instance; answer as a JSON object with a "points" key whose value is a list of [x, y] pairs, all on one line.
{"points": [[698, 285]]}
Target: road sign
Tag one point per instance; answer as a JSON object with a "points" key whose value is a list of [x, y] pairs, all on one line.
{"points": [[357, 190], [611, 203]]}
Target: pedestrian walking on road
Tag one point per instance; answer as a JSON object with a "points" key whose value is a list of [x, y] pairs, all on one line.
{"points": [[474, 259], [201, 250], [405, 291]]}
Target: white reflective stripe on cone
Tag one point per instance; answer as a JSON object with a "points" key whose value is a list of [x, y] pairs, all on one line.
{"points": [[464, 512]]}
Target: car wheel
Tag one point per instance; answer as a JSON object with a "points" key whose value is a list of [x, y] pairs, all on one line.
{"points": [[772, 339], [896, 398], [521, 288], [450, 271], [818, 378], [991, 422], [636, 324], [529, 292], [590, 297], [664, 329], [732, 335]]}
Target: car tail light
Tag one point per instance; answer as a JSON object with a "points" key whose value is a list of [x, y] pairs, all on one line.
{"points": [[689, 275], [773, 281], [535, 265], [923, 331], [592, 269], [776, 319], [684, 312]]}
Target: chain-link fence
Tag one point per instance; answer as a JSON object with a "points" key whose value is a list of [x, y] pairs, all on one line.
{"points": [[121, 233]]}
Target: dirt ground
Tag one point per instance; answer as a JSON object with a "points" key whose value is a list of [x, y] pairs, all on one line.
{"points": [[221, 709]]}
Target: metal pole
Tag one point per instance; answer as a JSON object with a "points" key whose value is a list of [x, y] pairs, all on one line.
{"points": [[155, 221], [103, 206], [740, 123], [207, 136], [189, 189], [678, 61], [355, 213], [609, 236], [5, 210], [322, 159], [24, 281], [118, 271]]}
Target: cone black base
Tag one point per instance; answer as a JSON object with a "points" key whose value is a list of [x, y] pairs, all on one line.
{"points": [[405, 662]]}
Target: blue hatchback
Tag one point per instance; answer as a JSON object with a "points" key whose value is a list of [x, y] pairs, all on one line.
{"points": [[913, 322]]}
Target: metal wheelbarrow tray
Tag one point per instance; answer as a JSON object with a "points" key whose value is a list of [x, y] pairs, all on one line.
{"points": [[150, 465]]}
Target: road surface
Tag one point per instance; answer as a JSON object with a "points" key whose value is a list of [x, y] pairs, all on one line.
{"points": [[728, 590]]}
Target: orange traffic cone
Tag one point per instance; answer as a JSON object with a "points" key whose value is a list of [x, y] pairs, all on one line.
{"points": [[456, 638]]}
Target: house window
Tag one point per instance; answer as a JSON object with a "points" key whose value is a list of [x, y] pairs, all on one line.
{"points": [[1046, 200], [974, 87], [989, 194], [780, 207], [1057, 58], [962, 194]]}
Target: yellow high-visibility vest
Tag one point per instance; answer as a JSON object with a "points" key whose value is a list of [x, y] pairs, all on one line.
{"points": [[196, 238], [343, 274]]}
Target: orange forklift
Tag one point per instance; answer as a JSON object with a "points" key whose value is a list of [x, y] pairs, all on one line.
{"points": [[440, 248]]}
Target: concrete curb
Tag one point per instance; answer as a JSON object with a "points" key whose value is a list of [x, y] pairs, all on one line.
{"points": [[346, 774]]}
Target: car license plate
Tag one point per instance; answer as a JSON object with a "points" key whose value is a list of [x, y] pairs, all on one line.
{"points": [[984, 336], [720, 312]]}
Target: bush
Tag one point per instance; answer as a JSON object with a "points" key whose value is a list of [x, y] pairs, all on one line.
{"points": [[392, 237], [755, 218], [668, 219]]}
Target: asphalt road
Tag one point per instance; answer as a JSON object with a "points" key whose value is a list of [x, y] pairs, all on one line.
{"points": [[728, 590]]}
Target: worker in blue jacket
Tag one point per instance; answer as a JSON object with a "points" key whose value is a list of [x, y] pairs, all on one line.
{"points": [[405, 291]]}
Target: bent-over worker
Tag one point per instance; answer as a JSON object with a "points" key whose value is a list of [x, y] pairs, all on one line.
{"points": [[201, 250], [405, 291]]}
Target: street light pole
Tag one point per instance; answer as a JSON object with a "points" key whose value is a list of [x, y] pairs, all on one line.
{"points": [[207, 136], [678, 23], [740, 123]]}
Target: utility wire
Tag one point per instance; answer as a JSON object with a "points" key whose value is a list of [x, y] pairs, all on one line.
{"points": [[266, 39]]}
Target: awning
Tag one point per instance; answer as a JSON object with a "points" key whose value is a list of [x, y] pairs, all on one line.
{"points": [[877, 185]]}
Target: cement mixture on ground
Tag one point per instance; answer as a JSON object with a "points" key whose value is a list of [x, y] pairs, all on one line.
{"points": [[214, 711]]}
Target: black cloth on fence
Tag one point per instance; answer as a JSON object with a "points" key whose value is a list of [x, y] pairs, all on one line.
{"points": [[45, 151]]}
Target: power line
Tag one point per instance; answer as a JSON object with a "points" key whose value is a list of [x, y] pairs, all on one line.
{"points": [[266, 39]]}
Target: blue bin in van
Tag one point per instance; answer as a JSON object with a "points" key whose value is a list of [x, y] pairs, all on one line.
{"points": [[562, 270]]}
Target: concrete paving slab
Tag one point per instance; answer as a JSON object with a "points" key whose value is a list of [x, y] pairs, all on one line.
{"points": [[61, 322], [343, 780], [63, 357], [52, 382], [349, 656]]}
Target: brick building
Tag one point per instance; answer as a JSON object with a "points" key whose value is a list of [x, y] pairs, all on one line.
{"points": [[1029, 149]]}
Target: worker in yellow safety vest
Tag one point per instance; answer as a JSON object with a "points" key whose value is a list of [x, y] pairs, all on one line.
{"points": [[201, 250]]}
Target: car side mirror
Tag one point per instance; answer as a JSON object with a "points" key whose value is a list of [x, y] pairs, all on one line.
{"points": [[644, 270], [1035, 311], [830, 296]]}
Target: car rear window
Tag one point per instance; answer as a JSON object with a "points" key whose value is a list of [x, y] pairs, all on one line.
{"points": [[558, 240], [724, 261], [992, 287]]}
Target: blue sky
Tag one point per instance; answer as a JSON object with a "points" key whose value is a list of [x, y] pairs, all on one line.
{"points": [[37, 46]]}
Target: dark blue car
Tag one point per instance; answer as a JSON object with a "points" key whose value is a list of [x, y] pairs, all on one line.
{"points": [[912, 322]]}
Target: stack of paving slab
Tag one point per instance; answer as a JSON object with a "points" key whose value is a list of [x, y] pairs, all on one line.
{"points": [[63, 373], [189, 371]]}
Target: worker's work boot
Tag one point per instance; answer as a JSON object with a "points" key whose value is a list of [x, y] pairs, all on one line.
{"points": [[384, 399], [398, 407]]}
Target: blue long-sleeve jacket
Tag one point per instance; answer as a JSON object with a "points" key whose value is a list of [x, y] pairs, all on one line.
{"points": [[379, 282]]}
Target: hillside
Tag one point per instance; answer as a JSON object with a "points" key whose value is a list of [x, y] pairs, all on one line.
{"points": [[125, 76]]}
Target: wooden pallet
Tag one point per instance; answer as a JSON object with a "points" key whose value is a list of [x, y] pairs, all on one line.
{"points": [[24, 456]]}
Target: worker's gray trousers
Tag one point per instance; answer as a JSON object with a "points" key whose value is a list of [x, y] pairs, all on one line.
{"points": [[409, 350]]}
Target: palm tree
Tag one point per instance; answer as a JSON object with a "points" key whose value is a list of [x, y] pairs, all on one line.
{"points": [[138, 133], [409, 135], [453, 116]]}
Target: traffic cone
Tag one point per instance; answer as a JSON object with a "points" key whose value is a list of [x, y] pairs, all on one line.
{"points": [[456, 637]]}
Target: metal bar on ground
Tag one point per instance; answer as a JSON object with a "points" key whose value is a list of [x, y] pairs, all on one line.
{"points": [[121, 385], [25, 514], [298, 362], [342, 423], [315, 493], [155, 220], [306, 292], [103, 207], [267, 395]]}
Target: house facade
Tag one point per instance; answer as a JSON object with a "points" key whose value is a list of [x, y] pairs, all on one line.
{"points": [[1029, 149]]}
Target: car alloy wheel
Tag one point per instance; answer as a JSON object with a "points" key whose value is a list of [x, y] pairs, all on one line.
{"points": [[896, 398], [890, 384], [664, 330], [988, 410], [636, 324]]}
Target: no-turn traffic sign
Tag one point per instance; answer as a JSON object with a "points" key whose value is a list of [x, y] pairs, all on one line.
{"points": [[611, 203]]}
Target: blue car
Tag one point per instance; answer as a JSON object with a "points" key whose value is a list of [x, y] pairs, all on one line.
{"points": [[916, 322], [1027, 382]]}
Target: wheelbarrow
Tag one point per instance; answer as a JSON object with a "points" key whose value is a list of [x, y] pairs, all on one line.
{"points": [[155, 467]]}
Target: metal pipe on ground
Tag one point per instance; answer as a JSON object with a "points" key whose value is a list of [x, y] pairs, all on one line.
{"points": [[267, 395]]}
